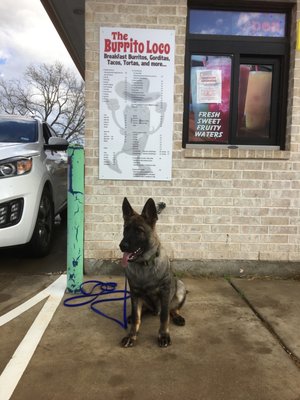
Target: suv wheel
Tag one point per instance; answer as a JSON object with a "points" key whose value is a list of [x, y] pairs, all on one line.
{"points": [[41, 240]]}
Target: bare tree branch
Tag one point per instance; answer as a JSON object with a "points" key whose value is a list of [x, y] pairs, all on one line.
{"points": [[51, 92]]}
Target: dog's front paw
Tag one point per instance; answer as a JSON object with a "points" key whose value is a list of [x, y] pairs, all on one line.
{"points": [[128, 341], [164, 340]]}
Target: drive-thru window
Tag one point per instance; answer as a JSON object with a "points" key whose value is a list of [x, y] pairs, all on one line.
{"points": [[236, 75]]}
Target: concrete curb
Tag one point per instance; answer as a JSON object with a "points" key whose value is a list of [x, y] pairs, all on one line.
{"points": [[213, 268]]}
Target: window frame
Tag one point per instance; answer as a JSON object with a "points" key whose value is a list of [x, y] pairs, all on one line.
{"points": [[259, 50]]}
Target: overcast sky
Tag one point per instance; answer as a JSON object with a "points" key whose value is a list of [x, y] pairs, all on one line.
{"points": [[27, 36]]}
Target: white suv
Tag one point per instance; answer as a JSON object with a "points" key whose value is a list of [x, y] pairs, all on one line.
{"points": [[33, 182]]}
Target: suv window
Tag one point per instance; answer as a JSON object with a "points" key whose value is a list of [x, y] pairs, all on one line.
{"points": [[18, 131]]}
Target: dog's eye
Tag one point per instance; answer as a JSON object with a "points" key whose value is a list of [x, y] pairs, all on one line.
{"points": [[140, 229]]}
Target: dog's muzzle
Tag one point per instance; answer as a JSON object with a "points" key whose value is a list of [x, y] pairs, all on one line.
{"points": [[129, 256]]}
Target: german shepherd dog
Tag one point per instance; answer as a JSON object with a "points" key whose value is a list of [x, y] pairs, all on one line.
{"points": [[153, 285]]}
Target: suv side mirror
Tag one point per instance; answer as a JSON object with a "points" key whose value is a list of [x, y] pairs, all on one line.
{"points": [[56, 144]]}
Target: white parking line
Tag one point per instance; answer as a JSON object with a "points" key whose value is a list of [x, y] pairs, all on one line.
{"points": [[54, 289], [21, 357]]}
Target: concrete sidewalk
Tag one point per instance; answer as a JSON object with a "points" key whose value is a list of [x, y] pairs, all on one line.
{"points": [[225, 352]]}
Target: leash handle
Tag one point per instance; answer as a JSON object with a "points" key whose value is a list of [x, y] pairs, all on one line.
{"points": [[91, 296]]}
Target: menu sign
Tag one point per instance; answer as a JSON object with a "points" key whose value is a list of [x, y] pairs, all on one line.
{"points": [[136, 103]]}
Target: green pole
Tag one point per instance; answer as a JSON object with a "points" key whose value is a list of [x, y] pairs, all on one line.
{"points": [[75, 217]]}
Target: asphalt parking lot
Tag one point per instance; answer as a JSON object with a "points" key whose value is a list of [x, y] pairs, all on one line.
{"points": [[14, 260]]}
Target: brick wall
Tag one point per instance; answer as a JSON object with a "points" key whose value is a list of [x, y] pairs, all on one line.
{"points": [[221, 204]]}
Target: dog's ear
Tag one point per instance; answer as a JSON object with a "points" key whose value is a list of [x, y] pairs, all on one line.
{"points": [[149, 212], [128, 211]]}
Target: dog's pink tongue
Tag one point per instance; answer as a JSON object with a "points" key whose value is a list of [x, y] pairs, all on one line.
{"points": [[125, 259]]}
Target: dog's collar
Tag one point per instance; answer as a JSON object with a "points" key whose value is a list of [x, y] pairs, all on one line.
{"points": [[151, 260]]}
